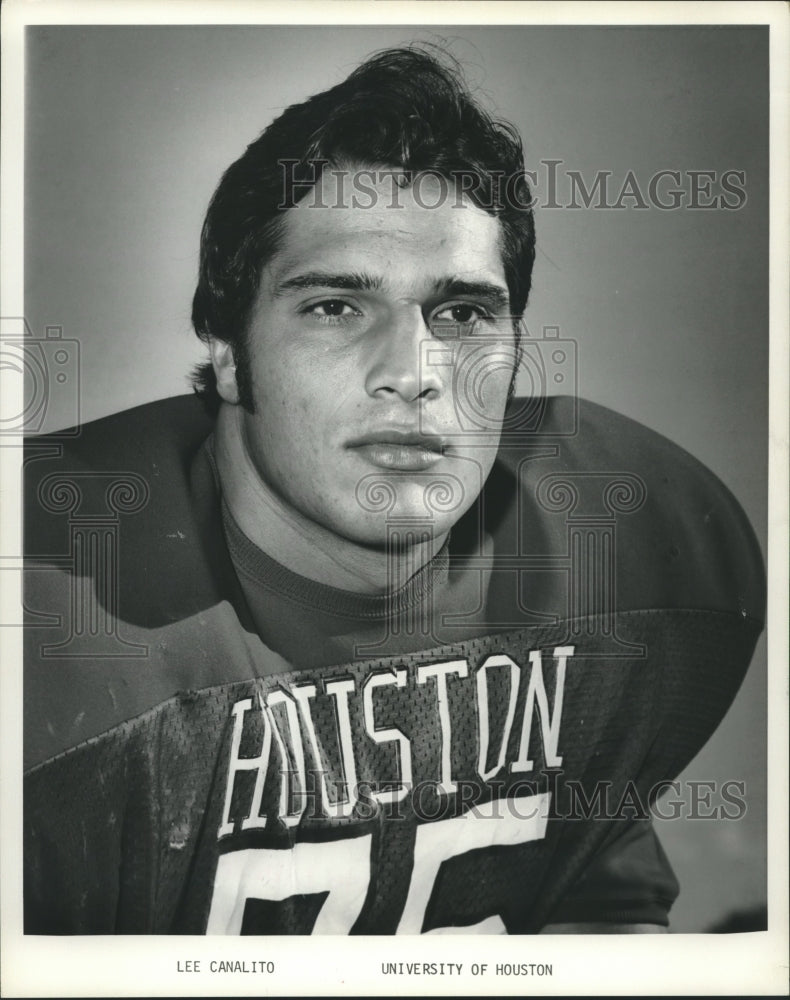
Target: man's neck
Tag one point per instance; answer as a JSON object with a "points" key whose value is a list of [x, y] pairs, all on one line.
{"points": [[295, 541]]}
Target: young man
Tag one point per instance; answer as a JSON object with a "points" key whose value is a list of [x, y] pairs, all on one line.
{"points": [[365, 644]]}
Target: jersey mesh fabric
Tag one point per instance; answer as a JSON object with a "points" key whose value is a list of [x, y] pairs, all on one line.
{"points": [[136, 845]]}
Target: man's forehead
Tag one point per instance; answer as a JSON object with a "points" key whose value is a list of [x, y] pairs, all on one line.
{"points": [[382, 187], [362, 218]]}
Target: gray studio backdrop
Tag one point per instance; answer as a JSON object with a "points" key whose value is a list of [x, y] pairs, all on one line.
{"points": [[129, 128]]}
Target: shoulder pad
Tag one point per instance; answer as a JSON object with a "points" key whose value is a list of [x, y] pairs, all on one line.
{"points": [[680, 538]]}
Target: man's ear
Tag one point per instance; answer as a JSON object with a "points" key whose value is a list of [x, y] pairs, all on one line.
{"points": [[225, 370]]}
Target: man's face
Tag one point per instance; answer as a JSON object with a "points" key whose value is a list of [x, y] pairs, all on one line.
{"points": [[381, 354]]}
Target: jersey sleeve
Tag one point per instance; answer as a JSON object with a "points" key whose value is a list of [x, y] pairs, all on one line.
{"points": [[629, 881]]}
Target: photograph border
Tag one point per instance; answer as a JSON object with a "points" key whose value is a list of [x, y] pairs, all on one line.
{"points": [[732, 964]]}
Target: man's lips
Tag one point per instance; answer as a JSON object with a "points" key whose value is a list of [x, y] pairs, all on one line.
{"points": [[399, 449]]}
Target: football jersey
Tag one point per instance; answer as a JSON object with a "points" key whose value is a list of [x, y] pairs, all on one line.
{"points": [[214, 745]]}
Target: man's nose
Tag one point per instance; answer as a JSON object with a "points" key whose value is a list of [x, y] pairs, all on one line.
{"points": [[399, 364]]}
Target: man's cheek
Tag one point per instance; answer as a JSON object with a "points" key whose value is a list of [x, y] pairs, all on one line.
{"points": [[480, 383]]}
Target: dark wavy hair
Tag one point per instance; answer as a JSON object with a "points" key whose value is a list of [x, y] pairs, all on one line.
{"points": [[407, 109]]}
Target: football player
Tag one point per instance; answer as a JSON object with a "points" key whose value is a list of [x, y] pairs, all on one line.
{"points": [[355, 640]]}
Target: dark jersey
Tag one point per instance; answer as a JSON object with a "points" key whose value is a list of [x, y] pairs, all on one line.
{"points": [[483, 760]]}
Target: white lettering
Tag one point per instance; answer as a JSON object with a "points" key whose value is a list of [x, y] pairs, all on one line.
{"points": [[297, 776], [441, 671], [391, 734], [303, 694], [344, 806], [237, 763], [500, 660], [549, 723]]}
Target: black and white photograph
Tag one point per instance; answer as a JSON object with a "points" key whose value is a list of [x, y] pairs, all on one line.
{"points": [[396, 548]]}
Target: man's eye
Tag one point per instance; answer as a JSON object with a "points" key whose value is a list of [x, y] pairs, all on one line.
{"points": [[331, 309], [462, 314]]}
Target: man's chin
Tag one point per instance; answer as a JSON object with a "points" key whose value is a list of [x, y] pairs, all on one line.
{"points": [[399, 530], [432, 500]]}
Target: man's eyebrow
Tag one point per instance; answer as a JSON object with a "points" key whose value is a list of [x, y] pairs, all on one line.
{"points": [[496, 297], [350, 282]]}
